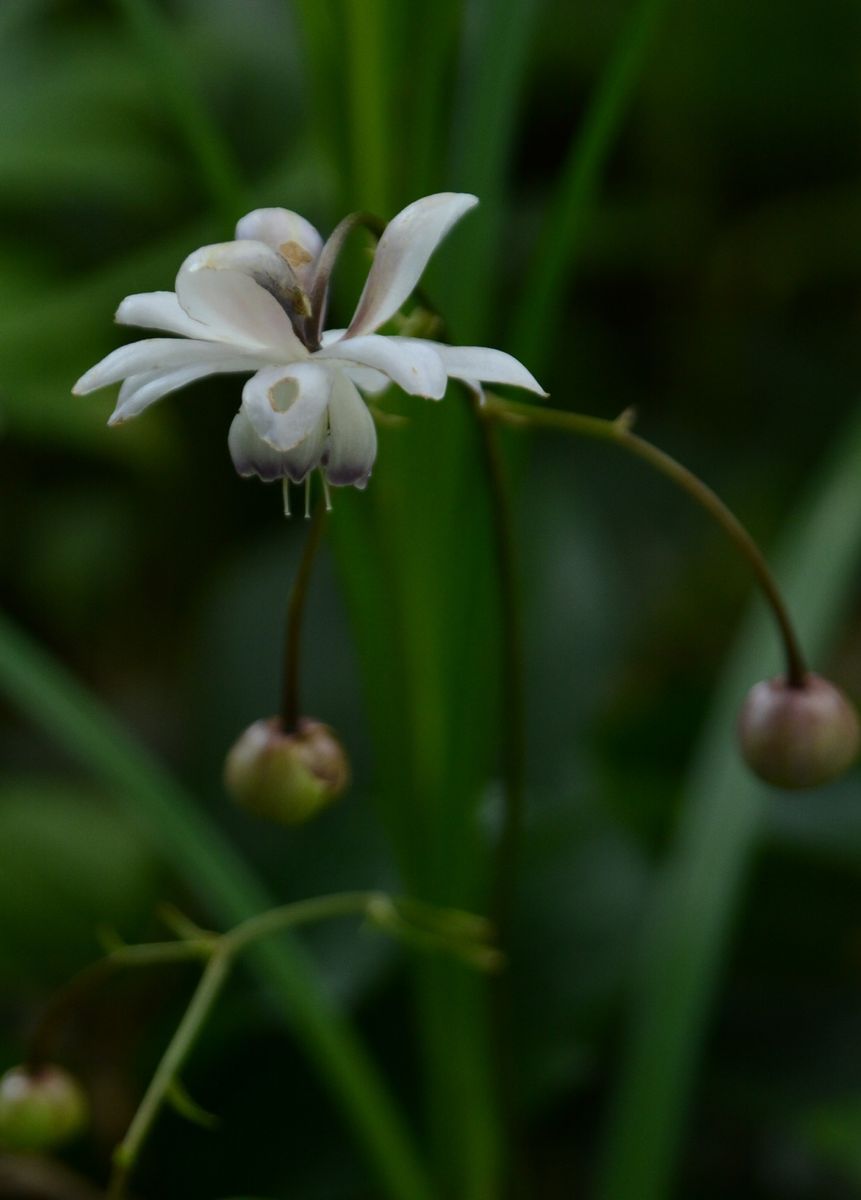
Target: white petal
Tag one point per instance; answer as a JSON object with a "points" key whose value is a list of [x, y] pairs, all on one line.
{"points": [[285, 404], [159, 310], [295, 239], [156, 354], [252, 456], [140, 391], [411, 363], [236, 301], [352, 436], [402, 254], [366, 378], [490, 366]]}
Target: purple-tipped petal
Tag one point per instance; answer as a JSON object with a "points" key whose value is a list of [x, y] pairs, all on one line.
{"points": [[352, 446]]}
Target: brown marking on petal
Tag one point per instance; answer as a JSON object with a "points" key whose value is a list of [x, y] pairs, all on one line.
{"points": [[296, 255], [301, 302]]}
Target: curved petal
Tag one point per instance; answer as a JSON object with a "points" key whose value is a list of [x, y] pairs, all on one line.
{"points": [[490, 366], [157, 354], [160, 310], [284, 405], [140, 391], [411, 363], [252, 456], [294, 238], [370, 381], [235, 295], [352, 444], [402, 254]]}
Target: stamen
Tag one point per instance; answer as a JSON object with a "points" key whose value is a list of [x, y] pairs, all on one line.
{"points": [[307, 497], [285, 492], [327, 495]]}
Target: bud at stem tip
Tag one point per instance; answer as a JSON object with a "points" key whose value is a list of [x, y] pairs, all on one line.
{"points": [[798, 737]]}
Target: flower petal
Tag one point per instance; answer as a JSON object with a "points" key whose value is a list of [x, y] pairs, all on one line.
{"points": [[352, 436], [140, 391], [370, 381], [411, 363], [157, 354], [233, 288], [490, 366], [402, 254], [294, 238], [160, 310], [284, 405], [252, 456]]}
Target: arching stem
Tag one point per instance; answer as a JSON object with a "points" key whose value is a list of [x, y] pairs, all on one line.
{"points": [[619, 432]]}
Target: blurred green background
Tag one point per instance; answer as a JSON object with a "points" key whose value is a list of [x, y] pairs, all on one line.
{"points": [[671, 220]]}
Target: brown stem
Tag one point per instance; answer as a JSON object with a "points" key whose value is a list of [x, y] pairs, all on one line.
{"points": [[620, 433], [290, 710]]}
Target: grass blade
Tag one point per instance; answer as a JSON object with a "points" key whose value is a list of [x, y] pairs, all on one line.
{"points": [[686, 940], [174, 73], [562, 239]]}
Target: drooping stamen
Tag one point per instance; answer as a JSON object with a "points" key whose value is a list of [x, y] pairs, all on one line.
{"points": [[285, 492], [327, 495], [307, 497]]}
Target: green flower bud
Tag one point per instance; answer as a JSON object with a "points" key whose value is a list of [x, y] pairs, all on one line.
{"points": [[40, 1108], [286, 777], [798, 737]]}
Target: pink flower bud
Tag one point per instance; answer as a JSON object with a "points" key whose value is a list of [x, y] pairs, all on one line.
{"points": [[798, 737], [286, 777]]}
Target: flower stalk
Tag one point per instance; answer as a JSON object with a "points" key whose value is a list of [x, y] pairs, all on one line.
{"points": [[620, 433], [290, 708]]}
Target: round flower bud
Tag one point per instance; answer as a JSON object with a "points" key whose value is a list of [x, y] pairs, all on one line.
{"points": [[286, 777], [798, 737], [40, 1108]]}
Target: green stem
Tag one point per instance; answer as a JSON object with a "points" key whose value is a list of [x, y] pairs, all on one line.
{"points": [[222, 952], [513, 720], [619, 432], [167, 1072], [290, 707]]}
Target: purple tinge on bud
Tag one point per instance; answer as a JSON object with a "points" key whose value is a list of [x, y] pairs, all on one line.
{"points": [[286, 777], [798, 737], [40, 1108]]}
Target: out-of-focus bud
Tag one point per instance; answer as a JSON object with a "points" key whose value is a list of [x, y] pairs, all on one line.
{"points": [[798, 737], [286, 777], [40, 1108]]}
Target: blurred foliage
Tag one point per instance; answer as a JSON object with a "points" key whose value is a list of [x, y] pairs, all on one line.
{"points": [[717, 291]]}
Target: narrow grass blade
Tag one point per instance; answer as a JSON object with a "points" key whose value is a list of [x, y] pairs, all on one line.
{"points": [[174, 73], [494, 54], [554, 259], [687, 936], [39, 688]]}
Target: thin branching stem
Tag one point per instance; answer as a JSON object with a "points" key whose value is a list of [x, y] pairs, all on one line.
{"points": [[221, 952], [619, 432]]}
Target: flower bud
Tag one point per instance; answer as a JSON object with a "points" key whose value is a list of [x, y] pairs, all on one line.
{"points": [[286, 777], [798, 737], [40, 1108]]}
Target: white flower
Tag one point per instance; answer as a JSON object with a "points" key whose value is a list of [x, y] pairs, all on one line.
{"points": [[258, 304]]}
